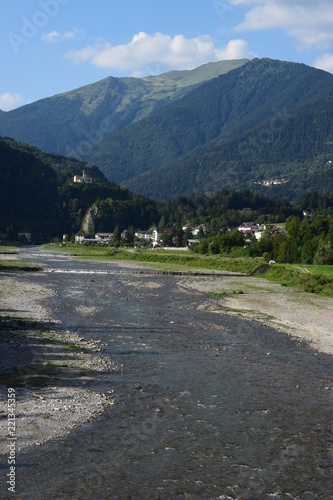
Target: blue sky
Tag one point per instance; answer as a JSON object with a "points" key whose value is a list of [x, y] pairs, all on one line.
{"points": [[53, 46]]}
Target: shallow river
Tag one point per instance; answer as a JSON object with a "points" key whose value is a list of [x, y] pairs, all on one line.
{"points": [[208, 406]]}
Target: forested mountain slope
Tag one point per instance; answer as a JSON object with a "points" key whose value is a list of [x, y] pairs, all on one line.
{"points": [[75, 122], [237, 128]]}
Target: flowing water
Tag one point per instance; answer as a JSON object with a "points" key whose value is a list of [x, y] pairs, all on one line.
{"points": [[208, 406]]}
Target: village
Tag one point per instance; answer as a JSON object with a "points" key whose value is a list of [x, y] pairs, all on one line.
{"points": [[162, 238]]}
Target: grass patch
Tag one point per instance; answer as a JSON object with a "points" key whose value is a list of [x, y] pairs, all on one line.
{"points": [[29, 337], [319, 269], [8, 249], [291, 276], [18, 265], [317, 283], [74, 347], [91, 251]]}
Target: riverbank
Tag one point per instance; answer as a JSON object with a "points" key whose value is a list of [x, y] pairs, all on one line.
{"points": [[300, 314], [52, 371]]}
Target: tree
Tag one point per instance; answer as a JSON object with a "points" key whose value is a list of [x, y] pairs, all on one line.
{"points": [[116, 237], [187, 236], [161, 224], [130, 236], [307, 252], [324, 253], [166, 239], [294, 228], [201, 233], [179, 236]]}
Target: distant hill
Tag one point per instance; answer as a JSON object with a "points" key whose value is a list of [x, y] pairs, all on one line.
{"points": [[264, 119], [64, 167], [37, 193], [75, 122]]}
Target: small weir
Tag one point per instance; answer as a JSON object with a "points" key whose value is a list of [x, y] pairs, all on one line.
{"points": [[140, 272]]}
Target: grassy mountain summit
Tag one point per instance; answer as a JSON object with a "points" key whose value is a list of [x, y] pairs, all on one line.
{"points": [[70, 122]]}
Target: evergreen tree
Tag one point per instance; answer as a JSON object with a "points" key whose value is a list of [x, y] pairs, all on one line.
{"points": [[116, 237]]}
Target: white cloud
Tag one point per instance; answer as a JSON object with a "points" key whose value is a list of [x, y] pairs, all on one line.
{"points": [[10, 101], [309, 21], [324, 62], [236, 49], [145, 51], [55, 36]]}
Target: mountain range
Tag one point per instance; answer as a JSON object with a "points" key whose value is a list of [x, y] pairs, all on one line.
{"points": [[259, 124], [69, 122]]}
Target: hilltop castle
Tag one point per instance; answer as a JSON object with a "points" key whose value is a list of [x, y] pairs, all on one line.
{"points": [[82, 178]]}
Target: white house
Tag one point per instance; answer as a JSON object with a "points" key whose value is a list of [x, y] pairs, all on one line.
{"points": [[104, 237], [155, 235], [248, 227], [144, 235], [79, 237], [259, 234]]}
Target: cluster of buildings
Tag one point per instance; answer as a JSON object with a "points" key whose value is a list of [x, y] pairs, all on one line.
{"points": [[153, 236], [271, 182], [251, 229], [99, 238]]}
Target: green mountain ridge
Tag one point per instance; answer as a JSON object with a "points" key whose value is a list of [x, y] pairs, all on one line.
{"points": [[253, 122], [68, 122]]}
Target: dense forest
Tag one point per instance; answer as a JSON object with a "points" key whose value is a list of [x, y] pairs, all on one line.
{"points": [[37, 193]]}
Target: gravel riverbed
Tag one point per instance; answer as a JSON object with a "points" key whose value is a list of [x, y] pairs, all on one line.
{"points": [[53, 370]]}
